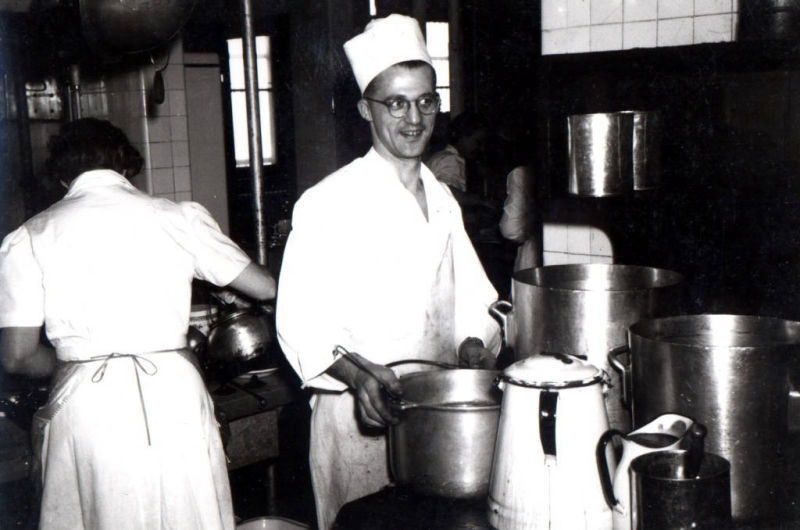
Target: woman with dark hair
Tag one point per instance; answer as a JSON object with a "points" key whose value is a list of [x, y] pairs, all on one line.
{"points": [[128, 438]]}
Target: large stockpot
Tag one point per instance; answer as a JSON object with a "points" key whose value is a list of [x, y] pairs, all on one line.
{"points": [[444, 441], [733, 374], [585, 310]]}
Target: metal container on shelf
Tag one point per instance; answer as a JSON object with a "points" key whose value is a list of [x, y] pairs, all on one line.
{"points": [[600, 153], [646, 149]]}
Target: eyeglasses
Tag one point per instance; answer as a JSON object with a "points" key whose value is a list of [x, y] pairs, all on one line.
{"points": [[398, 107]]}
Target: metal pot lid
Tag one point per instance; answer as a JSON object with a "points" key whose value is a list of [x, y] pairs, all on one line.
{"points": [[552, 371]]}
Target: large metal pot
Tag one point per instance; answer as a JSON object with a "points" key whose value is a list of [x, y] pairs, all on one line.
{"points": [[731, 373], [585, 310], [444, 442]]}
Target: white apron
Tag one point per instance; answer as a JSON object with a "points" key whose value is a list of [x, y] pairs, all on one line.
{"points": [[110, 459]]}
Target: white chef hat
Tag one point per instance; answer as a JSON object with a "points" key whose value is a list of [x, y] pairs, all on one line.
{"points": [[385, 42]]}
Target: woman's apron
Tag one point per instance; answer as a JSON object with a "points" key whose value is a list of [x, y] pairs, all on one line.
{"points": [[130, 441]]}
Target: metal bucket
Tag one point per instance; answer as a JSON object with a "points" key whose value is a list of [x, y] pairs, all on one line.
{"points": [[732, 374], [600, 153], [646, 149], [444, 441], [586, 309]]}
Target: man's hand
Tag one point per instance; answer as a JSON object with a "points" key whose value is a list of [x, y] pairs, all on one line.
{"points": [[373, 402], [472, 354]]}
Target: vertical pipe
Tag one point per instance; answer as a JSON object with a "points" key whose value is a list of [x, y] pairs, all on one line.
{"points": [[74, 92], [254, 128], [456, 58]]}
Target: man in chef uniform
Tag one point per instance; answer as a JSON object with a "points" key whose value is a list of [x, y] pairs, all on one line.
{"points": [[378, 262]]}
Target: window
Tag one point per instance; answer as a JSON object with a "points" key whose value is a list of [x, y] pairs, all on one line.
{"points": [[241, 145], [438, 38]]}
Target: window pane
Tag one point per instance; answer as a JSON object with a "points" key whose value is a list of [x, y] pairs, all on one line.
{"points": [[263, 62], [236, 64], [265, 106], [442, 67], [241, 148], [444, 93], [437, 35]]}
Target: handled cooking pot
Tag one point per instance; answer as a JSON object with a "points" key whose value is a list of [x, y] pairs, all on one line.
{"points": [[443, 443], [734, 374], [240, 335]]}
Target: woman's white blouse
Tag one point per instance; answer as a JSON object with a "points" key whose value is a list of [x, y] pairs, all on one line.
{"points": [[109, 268]]}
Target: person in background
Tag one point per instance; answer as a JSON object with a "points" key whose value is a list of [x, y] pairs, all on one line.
{"points": [[128, 438], [467, 134], [519, 220], [378, 263]]}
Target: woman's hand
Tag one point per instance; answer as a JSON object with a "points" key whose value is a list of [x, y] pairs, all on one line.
{"points": [[473, 354]]}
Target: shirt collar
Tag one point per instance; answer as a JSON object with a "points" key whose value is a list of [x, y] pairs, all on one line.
{"points": [[97, 178]]}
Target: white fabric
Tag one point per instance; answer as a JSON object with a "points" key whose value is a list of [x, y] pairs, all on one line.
{"points": [[109, 268], [385, 42], [449, 167], [517, 219], [364, 269]]}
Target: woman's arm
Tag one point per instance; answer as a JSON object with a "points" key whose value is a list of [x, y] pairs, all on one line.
{"points": [[21, 352]]}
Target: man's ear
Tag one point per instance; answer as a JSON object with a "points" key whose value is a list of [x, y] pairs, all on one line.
{"points": [[364, 110]]}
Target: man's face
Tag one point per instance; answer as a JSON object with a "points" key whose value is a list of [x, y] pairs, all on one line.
{"points": [[406, 137]]}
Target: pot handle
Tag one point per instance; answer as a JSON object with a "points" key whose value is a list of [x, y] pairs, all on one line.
{"points": [[548, 403], [500, 310], [439, 364], [602, 466], [624, 370]]}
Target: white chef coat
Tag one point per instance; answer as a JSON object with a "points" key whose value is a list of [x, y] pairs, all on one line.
{"points": [[516, 222], [364, 269], [108, 269]]}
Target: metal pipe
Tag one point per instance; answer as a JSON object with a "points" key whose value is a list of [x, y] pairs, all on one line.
{"points": [[456, 58], [254, 128], [74, 92]]}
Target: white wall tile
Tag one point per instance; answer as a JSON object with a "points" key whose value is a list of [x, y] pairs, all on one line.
{"points": [[600, 244], [178, 128], [607, 260], [163, 181], [675, 31], [554, 14], [675, 8], [555, 258], [570, 40], [177, 102], [180, 154], [712, 7], [158, 129], [606, 11], [554, 237], [713, 28], [183, 196], [640, 35], [637, 10], [579, 239], [183, 179], [161, 155], [579, 13], [605, 37]]}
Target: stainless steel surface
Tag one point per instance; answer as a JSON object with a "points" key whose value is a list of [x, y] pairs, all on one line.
{"points": [[443, 445], [585, 310], [663, 497], [600, 153], [254, 129], [130, 26], [732, 374], [646, 149], [240, 336]]}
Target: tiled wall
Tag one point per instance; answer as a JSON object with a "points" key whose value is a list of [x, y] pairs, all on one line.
{"points": [[577, 26], [158, 131], [572, 243]]}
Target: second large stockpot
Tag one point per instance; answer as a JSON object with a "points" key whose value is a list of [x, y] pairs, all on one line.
{"points": [[585, 310], [733, 374]]}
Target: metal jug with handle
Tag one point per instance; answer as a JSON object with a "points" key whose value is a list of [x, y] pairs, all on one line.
{"points": [[543, 473], [663, 433]]}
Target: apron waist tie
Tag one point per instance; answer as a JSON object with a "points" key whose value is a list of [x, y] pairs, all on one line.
{"points": [[140, 364]]}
